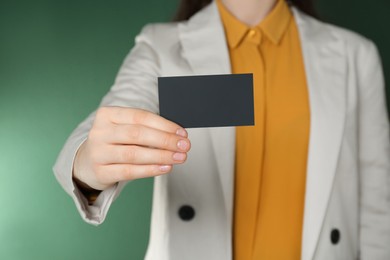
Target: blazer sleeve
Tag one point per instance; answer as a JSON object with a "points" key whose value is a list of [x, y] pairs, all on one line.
{"points": [[374, 159], [135, 86]]}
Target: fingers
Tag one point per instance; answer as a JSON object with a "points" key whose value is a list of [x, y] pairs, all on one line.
{"points": [[127, 144], [119, 172], [130, 116], [145, 136], [132, 154]]}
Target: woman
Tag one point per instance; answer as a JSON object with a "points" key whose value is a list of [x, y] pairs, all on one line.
{"points": [[311, 180]]}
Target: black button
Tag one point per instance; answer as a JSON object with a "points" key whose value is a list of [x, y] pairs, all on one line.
{"points": [[335, 236], [186, 212]]}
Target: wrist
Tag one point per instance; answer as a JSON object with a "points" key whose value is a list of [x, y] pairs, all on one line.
{"points": [[89, 193]]}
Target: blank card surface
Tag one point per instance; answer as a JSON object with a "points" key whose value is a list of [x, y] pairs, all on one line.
{"points": [[207, 100]]}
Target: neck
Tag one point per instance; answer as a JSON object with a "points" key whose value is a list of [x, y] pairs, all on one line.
{"points": [[250, 12]]}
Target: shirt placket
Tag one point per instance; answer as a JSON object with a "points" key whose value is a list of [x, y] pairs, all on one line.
{"points": [[256, 65]]}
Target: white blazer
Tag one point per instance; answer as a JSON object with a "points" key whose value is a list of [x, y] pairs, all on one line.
{"points": [[348, 172]]}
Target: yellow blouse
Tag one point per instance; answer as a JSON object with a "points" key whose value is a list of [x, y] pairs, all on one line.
{"points": [[271, 156]]}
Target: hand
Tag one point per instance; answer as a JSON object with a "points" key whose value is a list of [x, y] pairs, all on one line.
{"points": [[128, 144]]}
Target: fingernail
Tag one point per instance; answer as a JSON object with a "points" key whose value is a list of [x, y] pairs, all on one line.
{"points": [[181, 132], [183, 145], [179, 156], [165, 168]]}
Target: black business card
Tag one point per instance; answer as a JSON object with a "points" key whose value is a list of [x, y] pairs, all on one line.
{"points": [[207, 100]]}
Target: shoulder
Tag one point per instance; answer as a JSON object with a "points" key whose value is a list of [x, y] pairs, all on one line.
{"points": [[158, 34], [324, 33]]}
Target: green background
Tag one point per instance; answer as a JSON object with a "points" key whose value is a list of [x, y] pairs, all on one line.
{"points": [[57, 59]]}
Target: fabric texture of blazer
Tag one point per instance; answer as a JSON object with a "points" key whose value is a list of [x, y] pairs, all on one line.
{"points": [[347, 197]]}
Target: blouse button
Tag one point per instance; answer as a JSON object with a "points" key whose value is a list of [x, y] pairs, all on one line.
{"points": [[254, 36], [252, 33]]}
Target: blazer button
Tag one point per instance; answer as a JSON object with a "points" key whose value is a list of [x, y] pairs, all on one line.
{"points": [[186, 212], [335, 236]]}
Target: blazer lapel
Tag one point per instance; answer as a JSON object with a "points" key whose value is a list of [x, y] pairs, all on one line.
{"points": [[204, 44], [204, 47], [325, 67]]}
